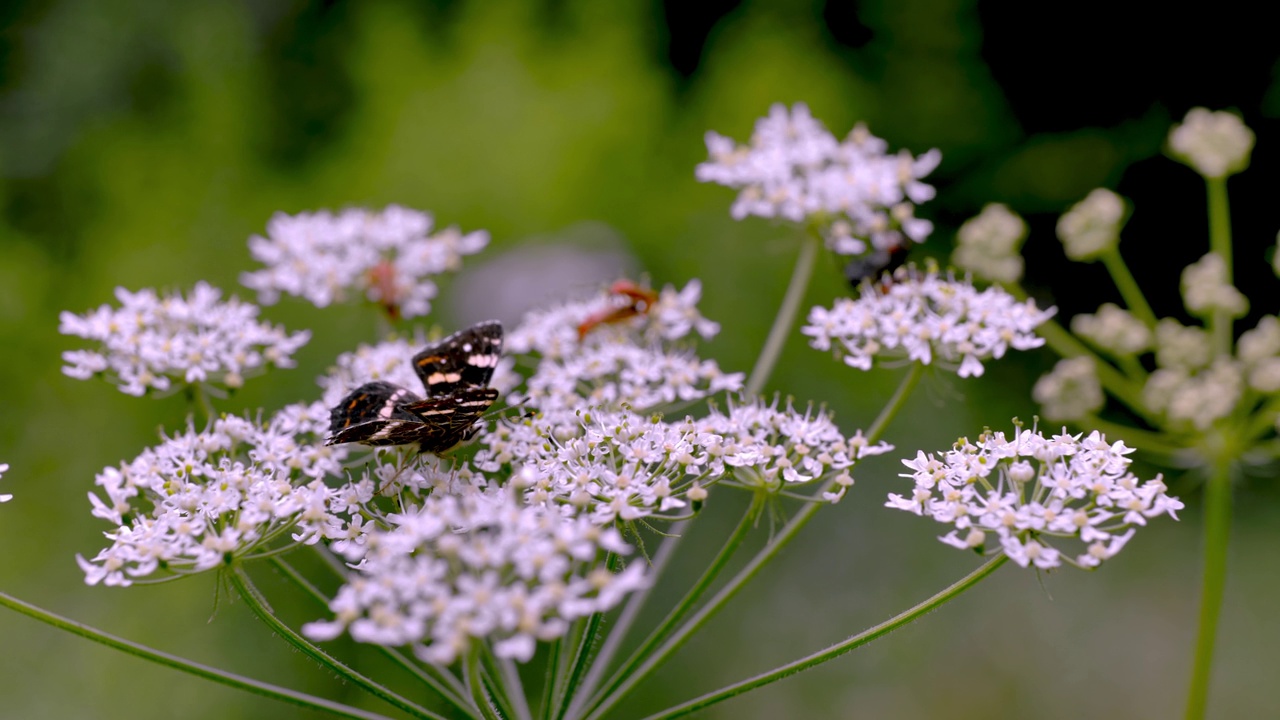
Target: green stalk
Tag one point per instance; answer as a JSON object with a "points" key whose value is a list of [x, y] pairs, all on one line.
{"points": [[622, 626], [476, 683], [1217, 532], [788, 533], [554, 652], [446, 685], [257, 604], [830, 653], [1220, 325], [686, 603], [1128, 286], [786, 315], [578, 666], [188, 666]]}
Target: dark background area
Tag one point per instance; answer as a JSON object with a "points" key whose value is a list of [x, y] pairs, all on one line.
{"points": [[142, 142]]}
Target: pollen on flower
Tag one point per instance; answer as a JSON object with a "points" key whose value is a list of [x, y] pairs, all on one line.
{"points": [[1079, 487]]}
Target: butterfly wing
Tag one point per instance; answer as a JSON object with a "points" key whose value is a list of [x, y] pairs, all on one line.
{"points": [[462, 361], [372, 414], [450, 419]]}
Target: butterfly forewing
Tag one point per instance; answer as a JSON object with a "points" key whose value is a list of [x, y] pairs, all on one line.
{"points": [[465, 359]]}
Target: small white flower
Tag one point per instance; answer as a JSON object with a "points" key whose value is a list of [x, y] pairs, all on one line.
{"points": [[1179, 346], [793, 169], [480, 567], [1205, 289], [150, 342], [1078, 487], [1114, 329], [388, 257], [988, 245], [1259, 350], [1092, 226], [4, 468], [1214, 144], [926, 318], [1071, 391]]}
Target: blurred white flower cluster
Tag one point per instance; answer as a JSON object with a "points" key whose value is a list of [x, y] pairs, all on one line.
{"points": [[1032, 492], [151, 341], [989, 245], [1214, 144], [202, 500], [4, 468], [859, 197], [388, 257], [928, 318]]}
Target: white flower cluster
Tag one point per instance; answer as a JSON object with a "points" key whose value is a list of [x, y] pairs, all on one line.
{"points": [[477, 566], [1092, 226], [926, 318], [1033, 491], [200, 500], [618, 465], [4, 468], [150, 341], [1214, 144], [988, 245], [638, 360], [388, 256], [860, 196]]}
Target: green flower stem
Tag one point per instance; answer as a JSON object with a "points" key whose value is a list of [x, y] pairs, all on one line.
{"points": [[1217, 531], [445, 684], [496, 682], [172, 661], [686, 603], [581, 657], [257, 604], [622, 626], [476, 683], [784, 536], [552, 679], [510, 674], [840, 648], [198, 399], [1220, 325], [1128, 287], [786, 314]]}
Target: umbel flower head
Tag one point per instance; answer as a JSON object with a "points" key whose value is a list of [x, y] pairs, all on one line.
{"points": [[860, 197], [201, 500], [1030, 494], [388, 257], [988, 245], [152, 341], [459, 569], [927, 318]]}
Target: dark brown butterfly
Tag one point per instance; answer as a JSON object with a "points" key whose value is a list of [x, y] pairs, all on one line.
{"points": [[455, 373]]}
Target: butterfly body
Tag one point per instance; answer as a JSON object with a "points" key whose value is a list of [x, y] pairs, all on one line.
{"points": [[455, 374]]}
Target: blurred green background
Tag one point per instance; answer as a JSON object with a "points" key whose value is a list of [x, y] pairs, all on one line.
{"points": [[142, 142]]}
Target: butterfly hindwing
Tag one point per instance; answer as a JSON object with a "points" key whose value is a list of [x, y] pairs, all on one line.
{"points": [[448, 420], [367, 410], [465, 359]]}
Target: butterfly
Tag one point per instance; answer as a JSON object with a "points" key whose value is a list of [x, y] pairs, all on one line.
{"points": [[455, 373]]}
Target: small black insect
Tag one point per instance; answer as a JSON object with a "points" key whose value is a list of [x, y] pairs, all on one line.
{"points": [[874, 264], [455, 373]]}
